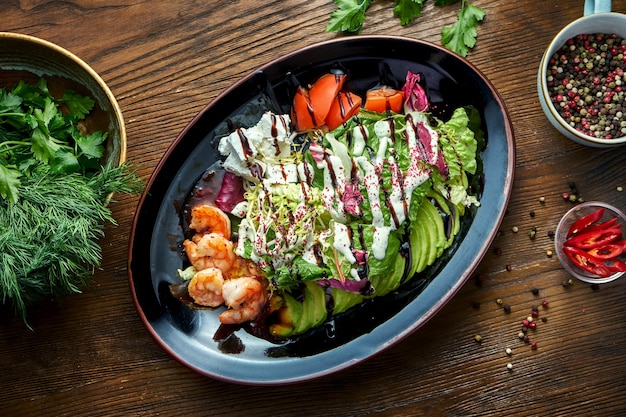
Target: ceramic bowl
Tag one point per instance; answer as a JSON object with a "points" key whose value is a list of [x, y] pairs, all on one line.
{"points": [[603, 22], [361, 332], [27, 58], [610, 212]]}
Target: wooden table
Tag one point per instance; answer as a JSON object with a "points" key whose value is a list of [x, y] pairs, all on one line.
{"points": [[89, 354]]}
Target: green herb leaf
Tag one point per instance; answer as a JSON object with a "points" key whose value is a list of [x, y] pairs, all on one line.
{"points": [[91, 145], [42, 146], [9, 181], [64, 162], [461, 36], [80, 106], [407, 10], [349, 16], [445, 2], [9, 102]]}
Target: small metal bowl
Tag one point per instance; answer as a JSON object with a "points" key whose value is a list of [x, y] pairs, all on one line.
{"points": [[27, 58], [563, 227]]}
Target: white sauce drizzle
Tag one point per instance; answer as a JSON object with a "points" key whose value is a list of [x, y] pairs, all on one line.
{"points": [[342, 242]]}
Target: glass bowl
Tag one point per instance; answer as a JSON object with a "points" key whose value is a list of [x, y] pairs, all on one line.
{"points": [[564, 226]]}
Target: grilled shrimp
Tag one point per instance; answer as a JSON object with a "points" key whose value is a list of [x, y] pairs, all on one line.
{"points": [[210, 250], [210, 219], [245, 297], [206, 287]]}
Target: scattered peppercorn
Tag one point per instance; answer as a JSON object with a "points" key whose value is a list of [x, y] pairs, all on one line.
{"points": [[509, 366], [532, 325], [532, 233], [545, 304], [508, 351], [551, 234], [507, 308], [535, 291], [549, 253], [595, 287], [544, 319], [619, 189], [509, 268], [499, 301], [542, 200], [521, 335], [497, 251], [515, 229], [532, 213], [526, 339], [533, 345], [478, 338]]}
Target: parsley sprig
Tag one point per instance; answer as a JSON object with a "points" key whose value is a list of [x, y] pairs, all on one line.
{"points": [[460, 37], [35, 131]]}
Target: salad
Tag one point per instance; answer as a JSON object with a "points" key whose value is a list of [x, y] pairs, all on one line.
{"points": [[343, 199]]}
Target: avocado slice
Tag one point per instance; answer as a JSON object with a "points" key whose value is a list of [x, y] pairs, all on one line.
{"points": [[313, 308]]}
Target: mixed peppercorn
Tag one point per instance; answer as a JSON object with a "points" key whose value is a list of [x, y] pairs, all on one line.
{"points": [[585, 78]]}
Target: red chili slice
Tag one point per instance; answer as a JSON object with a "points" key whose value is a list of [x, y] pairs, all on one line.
{"points": [[586, 262], [608, 251], [615, 265], [595, 239], [585, 222], [601, 226]]}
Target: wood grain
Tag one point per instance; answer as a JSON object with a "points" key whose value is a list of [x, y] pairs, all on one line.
{"points": [[89, 354]]}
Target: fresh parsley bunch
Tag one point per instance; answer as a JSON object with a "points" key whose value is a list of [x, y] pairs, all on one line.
{"points": [[34, 131], [53, 194], [460, 37]]}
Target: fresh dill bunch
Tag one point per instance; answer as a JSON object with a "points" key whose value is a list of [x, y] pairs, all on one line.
{"points": [[49, 237]]}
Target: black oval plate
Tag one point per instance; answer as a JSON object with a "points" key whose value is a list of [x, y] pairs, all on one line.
{"points": [[154, 253]]}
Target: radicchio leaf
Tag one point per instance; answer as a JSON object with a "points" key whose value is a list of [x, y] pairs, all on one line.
{"points": [[352, 199], [231, 192], [415, 98], [363, 286]]}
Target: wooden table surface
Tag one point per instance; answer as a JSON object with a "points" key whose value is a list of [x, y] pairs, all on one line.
{"points": [[90, 354]]}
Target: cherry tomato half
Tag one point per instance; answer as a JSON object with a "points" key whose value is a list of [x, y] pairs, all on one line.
{"points": [[311, 106], [586, 262], [384, 99], [345, 105]]}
